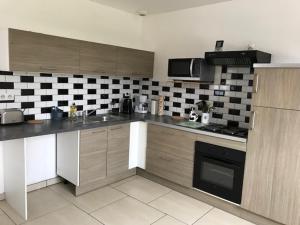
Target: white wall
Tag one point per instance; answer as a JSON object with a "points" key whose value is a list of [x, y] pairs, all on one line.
{"points": [[272, 25], [81, 19]]}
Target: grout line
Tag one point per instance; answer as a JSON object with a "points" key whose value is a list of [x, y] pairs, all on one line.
{"points": [[159, 218], [161, 196], [107, 204], [204, 215]]}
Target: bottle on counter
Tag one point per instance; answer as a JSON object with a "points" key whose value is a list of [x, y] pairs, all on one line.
{"points": [[73, 111]]}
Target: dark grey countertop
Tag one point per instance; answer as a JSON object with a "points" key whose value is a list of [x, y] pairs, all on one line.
{"points": [[26, 130]]}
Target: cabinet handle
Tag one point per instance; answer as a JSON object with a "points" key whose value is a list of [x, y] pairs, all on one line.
{"points": [[48, 68], [252, 120], [165, 159], [116, 128], [98, 132], [255, 83], [166, 133]]}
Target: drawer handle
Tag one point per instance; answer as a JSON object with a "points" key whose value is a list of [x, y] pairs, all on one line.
{"points": [[98, 132], [48, 68], [167, 133], [116, 128], [166, 159], [255, 83]]}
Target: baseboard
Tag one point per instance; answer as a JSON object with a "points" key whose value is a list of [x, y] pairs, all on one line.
{"points": [[82, 189], [211, 200], [43, 184], [2, 196]]}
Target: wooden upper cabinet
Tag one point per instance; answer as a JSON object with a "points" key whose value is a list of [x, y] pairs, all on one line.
{"points": [[272, 178], [97, 58], [277, 88], [135, 62], [35, 52]]}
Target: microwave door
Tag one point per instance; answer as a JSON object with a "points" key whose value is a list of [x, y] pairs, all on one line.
{"points": [[179, 68]]}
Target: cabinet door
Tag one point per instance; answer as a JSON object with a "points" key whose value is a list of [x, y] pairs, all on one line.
{"points": [[277, 88], [36, 52], [134, 62], [118, 149], [271, 183], [97, 58], [41, 163], [170, 154], [93, 149]]}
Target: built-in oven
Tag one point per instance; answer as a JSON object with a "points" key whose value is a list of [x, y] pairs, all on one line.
{"points": [[219, 171]]}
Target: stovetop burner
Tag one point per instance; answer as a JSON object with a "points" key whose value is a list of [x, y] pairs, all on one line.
{"points": [[222, 129]]}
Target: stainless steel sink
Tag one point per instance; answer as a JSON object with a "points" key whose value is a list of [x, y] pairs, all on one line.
{"points": [[103, 118]]}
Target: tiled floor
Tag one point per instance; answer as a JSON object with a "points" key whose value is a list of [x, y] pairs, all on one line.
{"points": [[133, 201]]}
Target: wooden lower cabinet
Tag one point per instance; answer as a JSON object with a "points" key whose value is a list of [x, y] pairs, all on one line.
{"points": [[170, 154], [92, 159], [272, 172], [118, 149], [103, 156]]}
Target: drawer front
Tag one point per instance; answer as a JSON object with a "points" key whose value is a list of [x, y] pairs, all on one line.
{"points": [[92, 167], [93, 140], [171, 141], [170, 167]]}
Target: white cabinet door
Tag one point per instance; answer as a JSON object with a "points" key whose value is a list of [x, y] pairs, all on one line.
{"points": [[137, 147], [41, 158]]}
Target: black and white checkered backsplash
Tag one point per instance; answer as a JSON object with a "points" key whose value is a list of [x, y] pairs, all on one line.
{"points": [[234, 107], [38, 92]]}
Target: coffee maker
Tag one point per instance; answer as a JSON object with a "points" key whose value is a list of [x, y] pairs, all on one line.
{"points": [[127, 106], [143, 105]]}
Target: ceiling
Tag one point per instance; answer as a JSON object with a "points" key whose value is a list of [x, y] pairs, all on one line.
{"points": [[155, 6]]}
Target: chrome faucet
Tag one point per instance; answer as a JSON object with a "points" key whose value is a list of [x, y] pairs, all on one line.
{"points": [[86, 114]]}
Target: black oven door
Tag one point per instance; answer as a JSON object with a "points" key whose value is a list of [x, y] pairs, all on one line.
{"points": [[219, 175]]}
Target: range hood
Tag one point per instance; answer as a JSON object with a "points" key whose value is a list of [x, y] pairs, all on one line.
{"points": [[237, 58]]}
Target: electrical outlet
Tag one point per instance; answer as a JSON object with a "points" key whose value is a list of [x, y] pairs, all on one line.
{"points": [[7, 98]]}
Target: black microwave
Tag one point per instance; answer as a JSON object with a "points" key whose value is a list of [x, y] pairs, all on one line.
{"points": [[191, 69]]}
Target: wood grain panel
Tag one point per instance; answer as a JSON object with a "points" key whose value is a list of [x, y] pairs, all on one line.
{"points": [[170, 167], [118, 149], [170, 154], [277, 88], [36, 52], [97, 58], [176, 142], [271, 185], [93, 140], [135, 62], [92, 167]]}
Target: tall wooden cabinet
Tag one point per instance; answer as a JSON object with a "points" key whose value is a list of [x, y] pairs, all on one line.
{"points": [[272, 177]]}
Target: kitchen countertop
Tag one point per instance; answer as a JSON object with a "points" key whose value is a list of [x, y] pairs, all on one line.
{"points": [[26, 130]]}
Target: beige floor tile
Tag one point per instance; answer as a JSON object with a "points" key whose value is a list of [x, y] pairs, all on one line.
{"points": [[97, 199], [219, 217], [44, 201], [69, 215], [4, 219], [143, 189], [181, 207], [124, 181], [167, 220], [91, 201], [127, 211], [64, 190], [16, 218]]}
